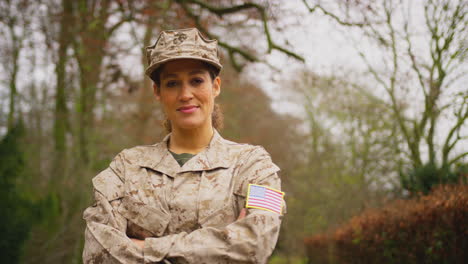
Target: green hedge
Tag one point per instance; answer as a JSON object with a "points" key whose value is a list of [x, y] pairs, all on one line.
{"points": [[428, 229], [17, 217]]}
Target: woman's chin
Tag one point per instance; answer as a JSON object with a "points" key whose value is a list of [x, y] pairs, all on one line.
{"points": [[188, 125]]}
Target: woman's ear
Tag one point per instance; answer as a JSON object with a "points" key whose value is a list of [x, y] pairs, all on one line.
{"points": [[156, 92], [217, 86]]}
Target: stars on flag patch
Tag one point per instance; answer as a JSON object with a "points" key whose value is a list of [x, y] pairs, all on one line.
{"points": [[266, 198]]}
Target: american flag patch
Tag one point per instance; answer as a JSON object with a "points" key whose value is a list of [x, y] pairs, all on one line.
{"points": [[266, 198]]}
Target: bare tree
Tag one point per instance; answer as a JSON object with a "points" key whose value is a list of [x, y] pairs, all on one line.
{"points": [[61, 119], [15, 17], [428, 59], [223, 10]]}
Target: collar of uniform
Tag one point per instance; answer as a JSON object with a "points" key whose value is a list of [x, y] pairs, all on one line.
{"points": [[212, 157]]}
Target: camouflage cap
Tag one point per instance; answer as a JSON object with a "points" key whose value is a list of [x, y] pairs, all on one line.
{"points": [[186, 43]]}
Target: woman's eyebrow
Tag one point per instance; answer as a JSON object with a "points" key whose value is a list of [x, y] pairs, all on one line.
{"points": [[196, 72], [173, 75], [169, 75]]}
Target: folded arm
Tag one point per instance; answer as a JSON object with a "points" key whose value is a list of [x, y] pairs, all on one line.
{"points": [[105, 235], [248, 240]]}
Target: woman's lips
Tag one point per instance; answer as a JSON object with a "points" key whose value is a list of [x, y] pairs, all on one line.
{"points": [[187, 109]]}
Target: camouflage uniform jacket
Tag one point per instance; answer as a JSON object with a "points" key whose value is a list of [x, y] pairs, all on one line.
{"points": [[185, 214]]}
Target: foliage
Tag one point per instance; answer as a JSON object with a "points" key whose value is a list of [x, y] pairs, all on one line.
{"points": [[19, 211], [346, 159], [25, 209], [428, 229], [424, 178]]}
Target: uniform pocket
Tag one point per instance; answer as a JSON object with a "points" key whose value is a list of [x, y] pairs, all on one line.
{"points": [[216, 199], [219, 218], [151, 218]]}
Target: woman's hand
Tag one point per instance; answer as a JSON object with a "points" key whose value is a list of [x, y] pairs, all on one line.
{"points": [[242, 214], [141, 243], [138, 242]]}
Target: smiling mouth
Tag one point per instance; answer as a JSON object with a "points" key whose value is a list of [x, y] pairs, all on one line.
{"points": [[187, 109]]}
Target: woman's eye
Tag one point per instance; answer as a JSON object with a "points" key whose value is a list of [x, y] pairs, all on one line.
{"points": [[171, 83], [197, 81]]}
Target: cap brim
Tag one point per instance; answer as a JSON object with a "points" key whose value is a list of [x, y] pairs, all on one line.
{"points": [[153, 67]]}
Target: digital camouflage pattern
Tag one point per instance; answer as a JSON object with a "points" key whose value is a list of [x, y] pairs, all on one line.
{"points": [[185, 214], [181, 44]]}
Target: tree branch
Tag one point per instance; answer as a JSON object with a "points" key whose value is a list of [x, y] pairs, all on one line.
{"points": [[462, 115], [231, 49], [414, 64], [334, 16], [457, 158], [221, 11], [126, 18]]}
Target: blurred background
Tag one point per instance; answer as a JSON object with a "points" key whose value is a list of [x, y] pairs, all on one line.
{"points": [[363, 104]]}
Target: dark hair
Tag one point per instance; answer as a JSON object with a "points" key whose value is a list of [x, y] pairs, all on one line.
{"points": [[217, 117], [156, 75]]}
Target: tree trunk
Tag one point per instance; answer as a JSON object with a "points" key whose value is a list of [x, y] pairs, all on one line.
{"points": [[61, 111], [90, 51], [89, 71], [13, 92], [14, 72]]}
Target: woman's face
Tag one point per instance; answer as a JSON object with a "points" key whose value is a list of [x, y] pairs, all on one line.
{"points": [[187, 93]]}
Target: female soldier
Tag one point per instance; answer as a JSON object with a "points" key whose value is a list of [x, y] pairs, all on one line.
{"points": [[183, 200]]}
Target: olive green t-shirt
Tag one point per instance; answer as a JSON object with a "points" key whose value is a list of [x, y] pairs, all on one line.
{"points": [[182, 158]]}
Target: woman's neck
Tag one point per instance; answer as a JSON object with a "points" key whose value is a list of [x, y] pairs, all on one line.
{"points": [[190, 141]]}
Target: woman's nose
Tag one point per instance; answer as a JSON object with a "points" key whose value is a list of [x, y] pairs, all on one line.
{"points": [[185, 92]]}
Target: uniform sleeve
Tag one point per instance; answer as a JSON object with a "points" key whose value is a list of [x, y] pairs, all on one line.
{"points": [[105, 235], [250, 240]]}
